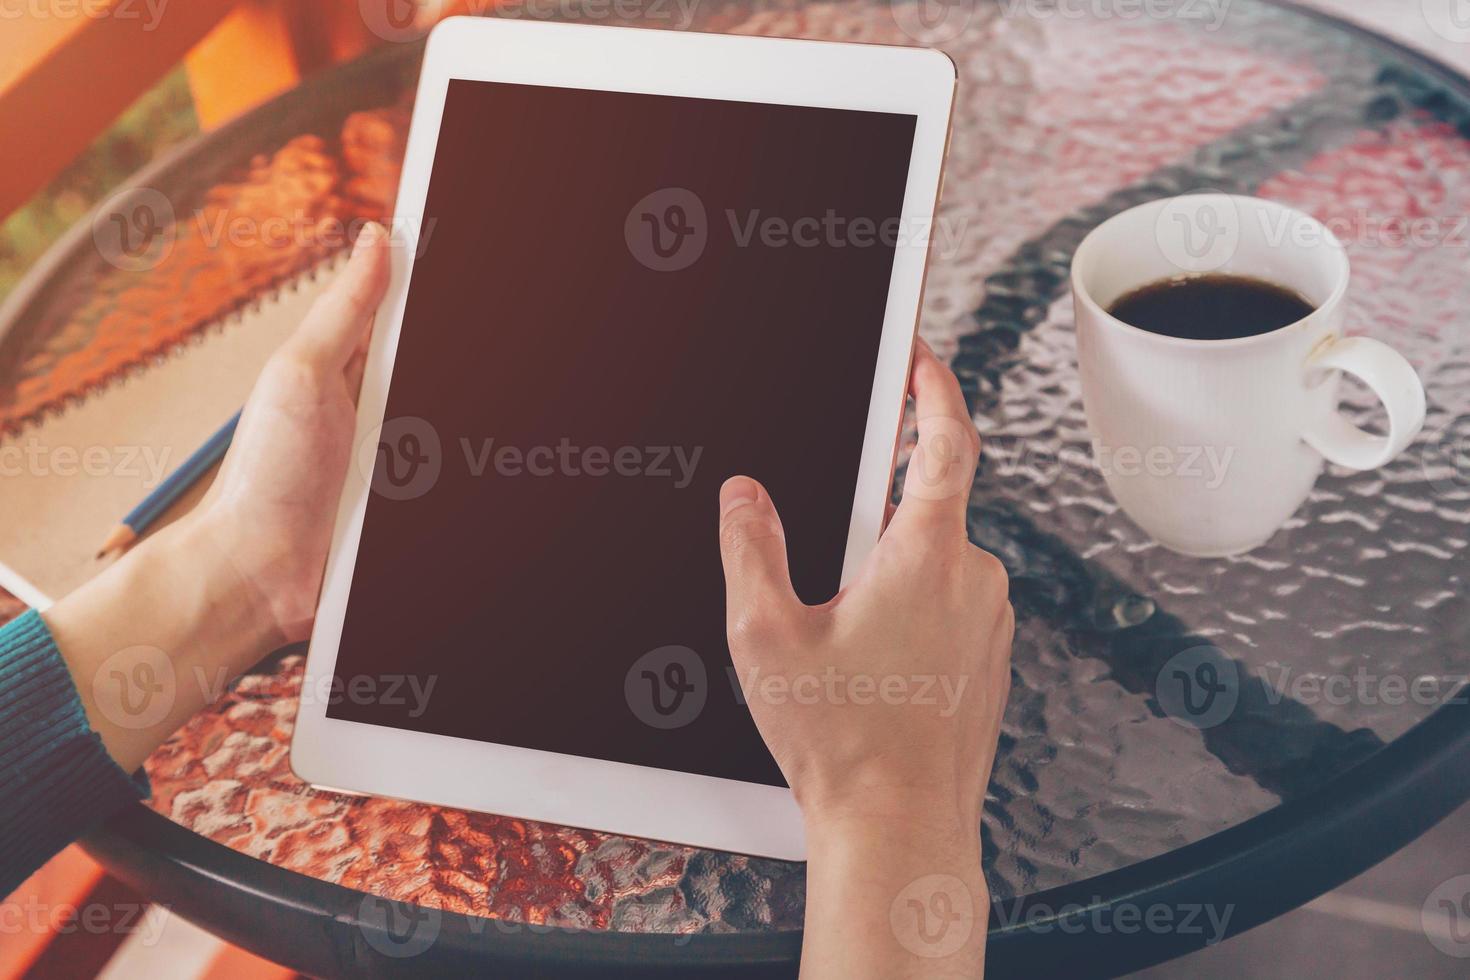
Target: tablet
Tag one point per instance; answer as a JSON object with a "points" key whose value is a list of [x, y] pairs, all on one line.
{"points": [[637, 263]]}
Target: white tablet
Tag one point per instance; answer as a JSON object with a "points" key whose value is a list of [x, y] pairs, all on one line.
{"points": [[643, 262]]}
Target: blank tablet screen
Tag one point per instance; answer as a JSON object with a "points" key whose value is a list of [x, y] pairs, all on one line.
{"points": [[620, 301]]}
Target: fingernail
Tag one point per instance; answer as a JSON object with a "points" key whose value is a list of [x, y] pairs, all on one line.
{"points": [[369, 236], [737, 492]]}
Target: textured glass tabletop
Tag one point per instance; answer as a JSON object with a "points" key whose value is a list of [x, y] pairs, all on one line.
{"points": [[1336, 637]]}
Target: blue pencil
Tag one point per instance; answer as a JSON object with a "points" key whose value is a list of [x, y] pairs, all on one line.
{"points": [[171, 489]]}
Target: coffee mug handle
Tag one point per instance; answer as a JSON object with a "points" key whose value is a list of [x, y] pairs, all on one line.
{"points": [[1390, 377]]}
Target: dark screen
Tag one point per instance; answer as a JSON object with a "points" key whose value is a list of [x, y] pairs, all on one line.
{"points": [[570, 392]]}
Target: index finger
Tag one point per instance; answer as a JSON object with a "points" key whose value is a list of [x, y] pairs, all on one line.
{"points": [[942, 468]]}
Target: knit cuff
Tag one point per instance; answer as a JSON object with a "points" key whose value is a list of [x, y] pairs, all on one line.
{"points": [[57, 780]]}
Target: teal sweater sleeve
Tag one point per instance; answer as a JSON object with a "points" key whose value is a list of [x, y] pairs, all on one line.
{"points": [[56, 779]]}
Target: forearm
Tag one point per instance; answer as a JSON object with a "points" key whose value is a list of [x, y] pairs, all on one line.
{"points": [[159, 635], [894, 895]]}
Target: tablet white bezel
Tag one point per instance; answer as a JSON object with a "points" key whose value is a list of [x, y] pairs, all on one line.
{"points": [[617, 797]]}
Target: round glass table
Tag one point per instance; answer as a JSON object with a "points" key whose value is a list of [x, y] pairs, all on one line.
{"points": [[1141, 806]]}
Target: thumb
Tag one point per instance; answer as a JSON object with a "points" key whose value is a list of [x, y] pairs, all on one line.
{"points": [[753, 547], [338, 322]]}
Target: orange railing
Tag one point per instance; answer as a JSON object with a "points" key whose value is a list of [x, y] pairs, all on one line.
{"points": [[68, 68]]}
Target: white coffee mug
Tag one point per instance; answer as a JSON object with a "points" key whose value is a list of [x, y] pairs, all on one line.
{"points": [[1210, 445]]}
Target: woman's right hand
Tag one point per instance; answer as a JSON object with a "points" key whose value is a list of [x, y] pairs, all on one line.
{"points": [[883, 706]]}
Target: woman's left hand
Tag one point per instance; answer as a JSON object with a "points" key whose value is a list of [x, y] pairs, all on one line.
{"points": [[162, 632], [274, 503]]}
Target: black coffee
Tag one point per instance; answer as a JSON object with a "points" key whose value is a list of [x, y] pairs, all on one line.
{"points": [[1216, 307]]}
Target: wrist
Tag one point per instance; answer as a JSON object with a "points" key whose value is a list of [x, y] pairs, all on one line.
{"points": [[278, 568], [906, 876], [862, 805], [225, 602], [917, 835], [955, 829], [158, 635]]}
